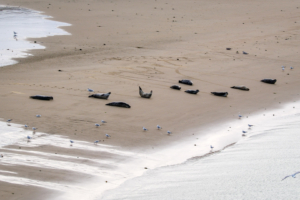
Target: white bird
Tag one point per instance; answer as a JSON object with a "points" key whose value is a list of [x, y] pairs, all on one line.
{"points": [[144, 129], [240, 116], [244, 131], [169, 132], [15, 33], [97, 125], [283, 67], [90, 90], [107, 136], [71, 141], [96, 142], [26, 126], [293, 175], [103, 121], [33, 128], [159, 127], [28, 138], [245, 53], [211, 147], [250, 125], [292, 67], [38, 115], [9, 120]]}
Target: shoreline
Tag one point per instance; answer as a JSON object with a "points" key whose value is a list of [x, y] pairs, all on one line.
{"points": [[170, 51], [267, 144], [166, 154]]}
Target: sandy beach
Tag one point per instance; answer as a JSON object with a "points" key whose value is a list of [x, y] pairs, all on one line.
{"points": [[116, 46]]}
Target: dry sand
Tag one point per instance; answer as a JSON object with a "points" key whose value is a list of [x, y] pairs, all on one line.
{"points": [[117, 46]]}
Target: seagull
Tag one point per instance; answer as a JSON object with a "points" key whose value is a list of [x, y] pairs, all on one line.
{"points": [[283, 67], [9, 120], [211, 147], [33, 128], [38, 115], [145, 129], [245, 53], [103, 121], [96, 142], [97, 125], [250, 125], [292, 67], [244, 133], [25, 126], [159, 127], [15, 33], [90, 90], [169, 132], [28, 138], [293, 175], [107, 136], [240, 116], [71, 142]]}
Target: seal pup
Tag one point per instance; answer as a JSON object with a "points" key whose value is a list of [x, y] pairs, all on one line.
{"points": [[241, 87], [42, 97], [268, 80], [192, 91], [221, 94], [145, 95], [101, 95], [187, 82], [119, 104], [176, 87]]}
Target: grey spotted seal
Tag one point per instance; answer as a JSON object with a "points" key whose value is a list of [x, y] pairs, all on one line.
{"points": [[101, 95], [175, 87], [119, 104], [268, 80], [42, 97], [187, 82], [145, 95], [221, 94], [192, 91], [241, 87]]}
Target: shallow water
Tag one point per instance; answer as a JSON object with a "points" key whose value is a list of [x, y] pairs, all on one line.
{"points": [[27, 24], [253, 168]]}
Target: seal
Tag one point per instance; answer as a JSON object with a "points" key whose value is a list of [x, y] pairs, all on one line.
{"points": [[268, 80], [101, 95], [42, 97], [175, 87], [241, 87], [221, 94], [192, 91], [187, 82], [145, 95], [119, 104]]}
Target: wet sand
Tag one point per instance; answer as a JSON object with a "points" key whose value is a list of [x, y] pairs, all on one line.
{"points": [[117, 46]]}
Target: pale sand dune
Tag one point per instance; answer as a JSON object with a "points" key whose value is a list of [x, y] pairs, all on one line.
{"points": [[177, 40]]}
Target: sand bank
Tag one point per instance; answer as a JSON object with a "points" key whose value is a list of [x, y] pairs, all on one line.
{"points": [[117, 46]]}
